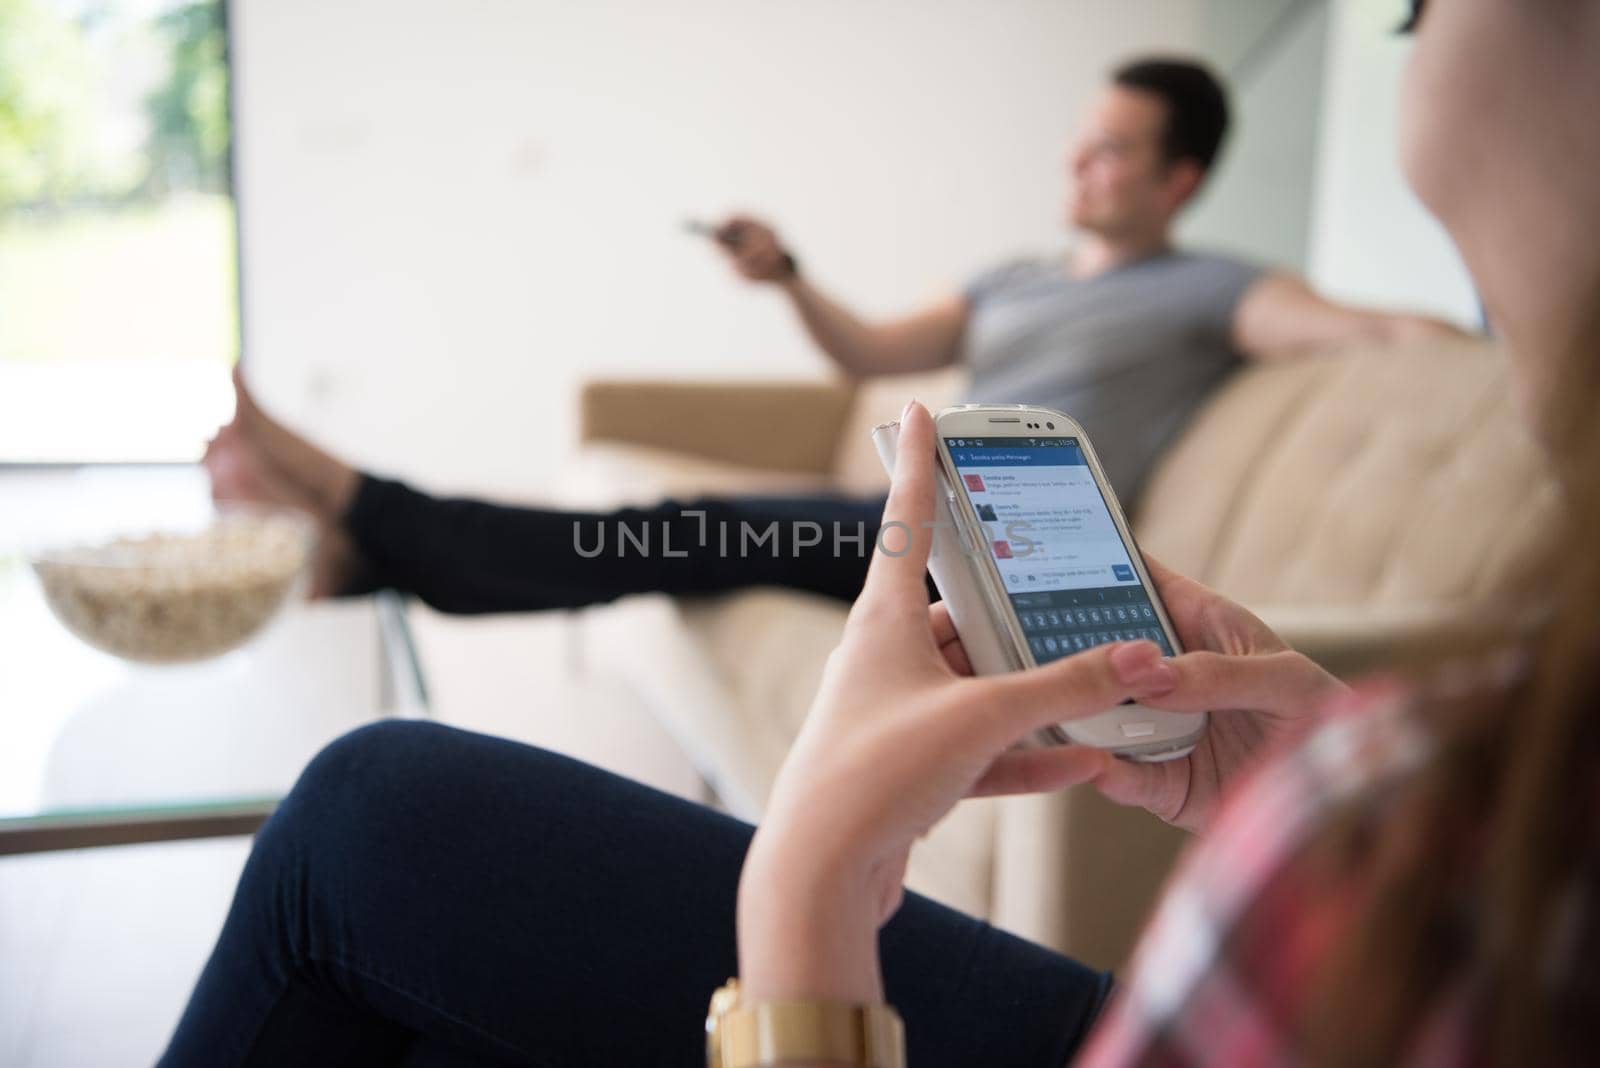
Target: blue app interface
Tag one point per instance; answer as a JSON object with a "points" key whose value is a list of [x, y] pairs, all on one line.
{"points": [[1051, 536]]}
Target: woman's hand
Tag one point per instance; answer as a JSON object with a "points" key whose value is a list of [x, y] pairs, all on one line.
{"points": [[896, 736], [1262, 697], [899, 733]]}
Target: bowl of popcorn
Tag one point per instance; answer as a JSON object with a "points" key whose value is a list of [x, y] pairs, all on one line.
{"points": [[180, 595]]}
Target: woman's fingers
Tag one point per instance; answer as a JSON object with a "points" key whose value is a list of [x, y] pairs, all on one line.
{"points": [[1161, 573], [946, 638], [1097, 679], [1092, 681], [906, 536], [1080, 685], [1267, 682], [1160, 789], [1037, 771], [1207, 620]]}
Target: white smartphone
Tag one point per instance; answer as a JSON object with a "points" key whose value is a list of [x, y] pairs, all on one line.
{"points": [[1055, 559]]}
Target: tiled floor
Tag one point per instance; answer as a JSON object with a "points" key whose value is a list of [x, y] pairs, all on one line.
{"points": [[99, 948]]}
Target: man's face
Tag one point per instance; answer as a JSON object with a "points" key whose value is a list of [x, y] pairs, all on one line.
{"points": [[1120, 183]]}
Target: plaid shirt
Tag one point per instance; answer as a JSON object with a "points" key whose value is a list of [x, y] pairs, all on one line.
{"points": [[1224, 968]]}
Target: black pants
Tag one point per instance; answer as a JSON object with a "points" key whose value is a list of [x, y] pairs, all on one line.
{"points": [[426, 896], [470, 556]]}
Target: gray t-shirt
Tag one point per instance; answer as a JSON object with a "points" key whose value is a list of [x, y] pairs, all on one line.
{"points": [[1131, 353]]}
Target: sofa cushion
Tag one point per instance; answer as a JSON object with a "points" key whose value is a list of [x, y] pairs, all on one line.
{"points": [[768, 649], [1382, 477], [606, 474], [857, 469], [730, 679]]}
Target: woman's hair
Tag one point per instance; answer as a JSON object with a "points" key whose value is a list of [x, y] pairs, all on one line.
{"points": [[1482, 867]]}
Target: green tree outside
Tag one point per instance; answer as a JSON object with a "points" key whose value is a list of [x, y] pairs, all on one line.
{"points": [[55, 80], [116, 220]]}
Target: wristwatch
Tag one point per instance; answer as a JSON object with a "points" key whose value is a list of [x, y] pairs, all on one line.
{"points": [[781, 1032]]}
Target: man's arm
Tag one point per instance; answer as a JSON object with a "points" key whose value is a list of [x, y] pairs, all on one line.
{"points": [[923, 341], [926, 340], [1281, 316]]}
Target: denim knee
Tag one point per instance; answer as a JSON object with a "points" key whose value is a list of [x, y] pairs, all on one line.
{"points": [[371, 757], [353, 784]]}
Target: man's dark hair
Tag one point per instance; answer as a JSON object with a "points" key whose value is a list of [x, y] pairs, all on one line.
{"points": [[1197, 106]]}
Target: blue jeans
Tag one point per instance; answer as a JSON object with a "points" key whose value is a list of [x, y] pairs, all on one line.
{"points": [[428, 896]]}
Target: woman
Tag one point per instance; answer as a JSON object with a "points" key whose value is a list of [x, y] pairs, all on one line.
{"points": [[1417, 883]]}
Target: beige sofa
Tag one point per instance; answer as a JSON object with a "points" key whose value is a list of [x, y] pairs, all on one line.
{"points": [[1362, 502]]}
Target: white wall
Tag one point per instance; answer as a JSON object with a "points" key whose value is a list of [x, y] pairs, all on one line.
{"points": [[1257, 202], [1371, 239], [452, 213]]}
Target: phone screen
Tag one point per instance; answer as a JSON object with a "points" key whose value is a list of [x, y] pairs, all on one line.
{"points": [[1064, 566]]}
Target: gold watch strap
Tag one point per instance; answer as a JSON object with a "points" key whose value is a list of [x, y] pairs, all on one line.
{"points": [[786, 1032]]}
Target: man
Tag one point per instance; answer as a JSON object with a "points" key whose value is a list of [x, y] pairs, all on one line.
{"points": [[1129, 335]]}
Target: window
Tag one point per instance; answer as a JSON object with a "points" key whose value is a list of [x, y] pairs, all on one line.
{"points": [[118, 264]]}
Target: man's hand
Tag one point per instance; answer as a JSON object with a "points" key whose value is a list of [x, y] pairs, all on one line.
{"points": [[921, 341], [755, 250]]}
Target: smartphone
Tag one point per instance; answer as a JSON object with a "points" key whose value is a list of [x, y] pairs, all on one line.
{"points": [[1055, 560]]}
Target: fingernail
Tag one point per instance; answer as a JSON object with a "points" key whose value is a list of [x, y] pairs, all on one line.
{"points": [[905, 413], [1139, 666]]}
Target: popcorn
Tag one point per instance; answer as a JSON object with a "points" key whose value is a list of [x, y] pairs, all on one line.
{"points": [[167, 598]]}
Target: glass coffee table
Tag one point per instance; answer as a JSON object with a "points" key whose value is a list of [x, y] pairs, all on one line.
{"points": [[96, 751]]}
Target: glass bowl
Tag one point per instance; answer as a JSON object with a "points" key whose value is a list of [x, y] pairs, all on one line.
{"points": [[182, 594]]}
